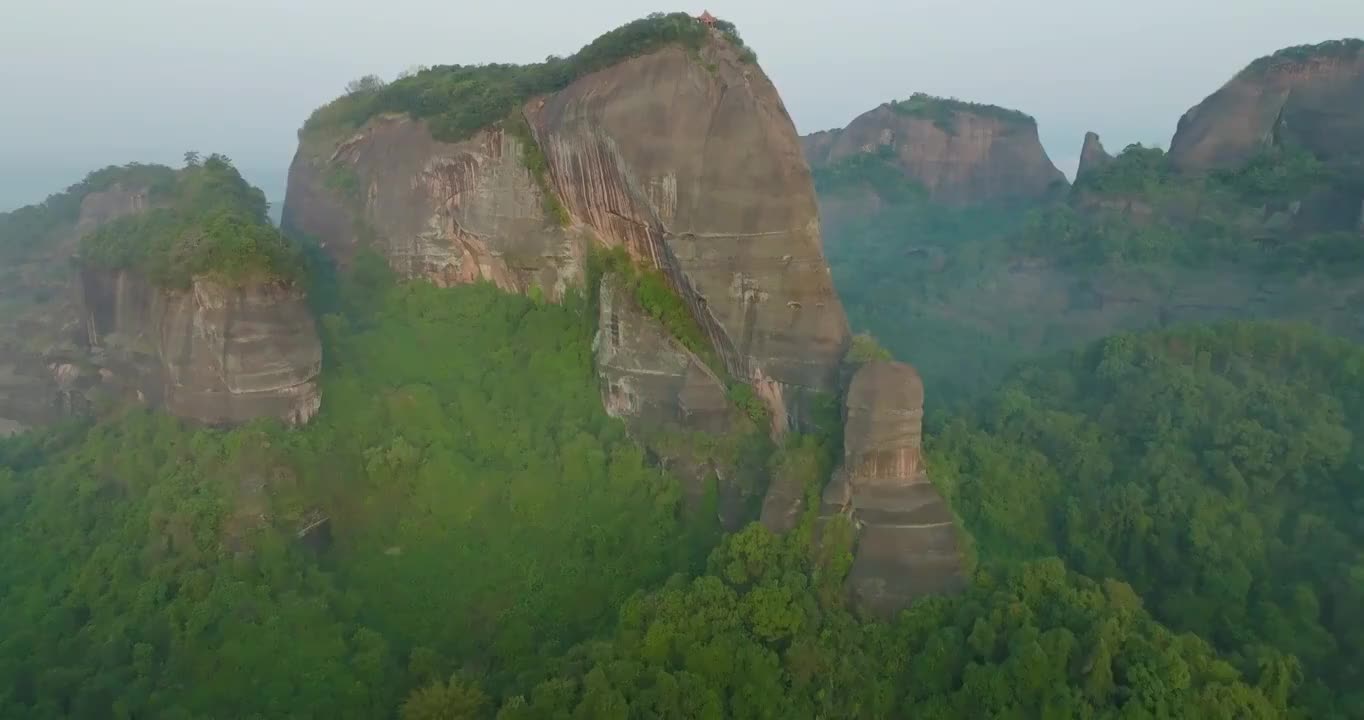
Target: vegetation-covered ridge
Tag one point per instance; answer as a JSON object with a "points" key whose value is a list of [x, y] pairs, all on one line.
{"points": [[34, 227], [483, 512], [1215, 469], [1139, 209], [458, 100], [211, 223], [1343, 48], [943, 110]]}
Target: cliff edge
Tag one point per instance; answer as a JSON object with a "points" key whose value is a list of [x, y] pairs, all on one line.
{"points": [[663, 137], [960, 153], [1306, 97]]}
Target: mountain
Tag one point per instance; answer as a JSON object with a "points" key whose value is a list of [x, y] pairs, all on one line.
{"points": [[1305, 97], [161, 285], [700, 177], [1144, 239], [960, 153]]}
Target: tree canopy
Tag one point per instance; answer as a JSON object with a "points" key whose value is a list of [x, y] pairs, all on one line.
{"points": [[458, 100]]}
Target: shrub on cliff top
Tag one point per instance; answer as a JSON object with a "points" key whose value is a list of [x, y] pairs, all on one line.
{"points": [[942, 111], [215, 224], [457, 100], [28, 228], [1302, 53]]}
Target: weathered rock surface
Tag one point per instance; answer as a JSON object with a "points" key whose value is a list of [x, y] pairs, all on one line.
{"points": [[214, 353], [665, 393], [689, 160], [450, 213], [694, 165], [907, 543], [647, 376], [1092, 155], [1307, 97], [42, 341], [974, 157]]}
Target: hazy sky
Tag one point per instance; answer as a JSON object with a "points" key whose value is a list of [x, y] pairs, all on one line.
{"points": [[92, 82]]}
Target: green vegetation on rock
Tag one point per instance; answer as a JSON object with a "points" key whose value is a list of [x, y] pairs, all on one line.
{"points": [[483, 513], [1348, 47], [538, 165], [1215, 469], [943, 111], [212, 224], [458, 100], [33, 227]]}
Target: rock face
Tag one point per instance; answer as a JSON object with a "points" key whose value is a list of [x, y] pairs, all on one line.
{"points": [[647, 376], [907, 539], [687, 159], [44, 368], [665, 393], [1092, 155], [960, 156], [214, 353], [448, 212], [1309, 97]]}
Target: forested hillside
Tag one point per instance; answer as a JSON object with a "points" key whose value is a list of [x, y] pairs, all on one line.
{"points": [[1219, 470], [481, 511]]}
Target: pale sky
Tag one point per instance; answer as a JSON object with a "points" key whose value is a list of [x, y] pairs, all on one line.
{"points": [[88, 83]]}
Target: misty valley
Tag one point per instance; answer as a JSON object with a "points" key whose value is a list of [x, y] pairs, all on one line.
{"points": [[589, 388]]}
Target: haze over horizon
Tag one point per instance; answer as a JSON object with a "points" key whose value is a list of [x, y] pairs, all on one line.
{"points": [[93, 84]]}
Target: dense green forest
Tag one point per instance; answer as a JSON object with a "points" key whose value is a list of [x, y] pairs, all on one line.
{"points": [[1219, 470], [761, 635], [457, 100], [210, 222], [32, 228], [481, 512]]}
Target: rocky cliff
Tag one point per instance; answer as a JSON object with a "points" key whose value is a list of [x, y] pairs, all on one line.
{"points": [[1307, 97], [670, 398], [1092, 155], [684, 156], [907, 542], [214, 352], [961, 153]]}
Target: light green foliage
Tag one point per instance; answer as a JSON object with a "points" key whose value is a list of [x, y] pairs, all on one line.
{"points": [[214, 224], [943, 111], [32, 228], [484, 512], [751, 639], [1215, 469], [865, 349], [458, 100]]}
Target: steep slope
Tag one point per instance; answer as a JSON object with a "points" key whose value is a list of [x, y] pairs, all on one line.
{"points": [[146, 283], [663, 137], [960, 153], [1308, 97]]}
